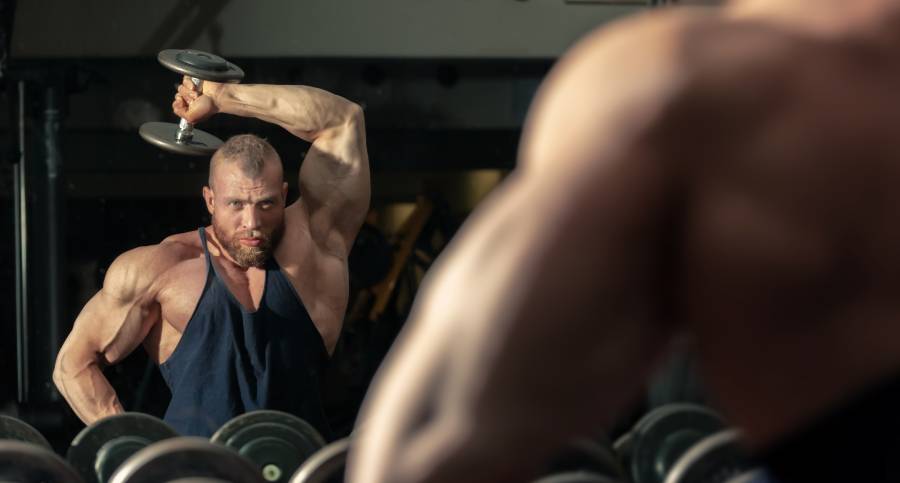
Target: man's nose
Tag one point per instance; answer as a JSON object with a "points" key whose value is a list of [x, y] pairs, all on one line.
{"points": [[251, 218]]}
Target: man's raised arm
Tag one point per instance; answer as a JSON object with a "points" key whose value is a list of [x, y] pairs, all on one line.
{"points": [[334, 176]]}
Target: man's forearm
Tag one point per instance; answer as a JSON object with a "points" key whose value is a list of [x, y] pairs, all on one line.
{"points": [[89, 393], [304, 111]]}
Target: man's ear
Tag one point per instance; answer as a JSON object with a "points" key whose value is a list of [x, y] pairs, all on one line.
{"points": [[284, 191], [209, 198]]}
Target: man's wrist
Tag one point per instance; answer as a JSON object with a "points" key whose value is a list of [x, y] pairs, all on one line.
{"points": [[214, 91]]}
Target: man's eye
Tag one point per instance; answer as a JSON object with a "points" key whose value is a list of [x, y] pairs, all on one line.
{"points": [[265, 205], [235, 204]]}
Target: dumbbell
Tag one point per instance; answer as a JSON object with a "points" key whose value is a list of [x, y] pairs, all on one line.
{"points": [[182, 138], [658, 439], [185, 459], [100, 448], [277, 442], [24, 462], [16, 429], [326, 465], [717, 458]]}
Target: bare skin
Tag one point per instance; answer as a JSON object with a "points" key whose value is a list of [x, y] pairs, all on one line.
{"points": [[150, 293], [736, 180]]}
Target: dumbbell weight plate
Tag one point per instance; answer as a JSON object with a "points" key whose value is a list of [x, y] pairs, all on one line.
{"points": [[28, 463], [325, 465], [660, 437], [16, 429], [202, 65], [714, 459], [100, 448], [162, 135], [186, 459], [277, 442]]}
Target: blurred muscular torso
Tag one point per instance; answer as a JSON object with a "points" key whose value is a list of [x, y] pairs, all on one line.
{"points": [[787, 255]]}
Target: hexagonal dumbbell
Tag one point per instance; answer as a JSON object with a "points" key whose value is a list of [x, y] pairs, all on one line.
{"points": [[182, 138]]}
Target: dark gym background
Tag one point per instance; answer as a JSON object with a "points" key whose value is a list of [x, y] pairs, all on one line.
{"points": [[445, 87]]}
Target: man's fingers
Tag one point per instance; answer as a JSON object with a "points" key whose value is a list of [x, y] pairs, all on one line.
{"points": [[189, 84], [188, 93]]}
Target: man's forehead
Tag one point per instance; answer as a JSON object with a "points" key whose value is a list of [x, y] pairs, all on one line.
{"points": [[239, 185]]}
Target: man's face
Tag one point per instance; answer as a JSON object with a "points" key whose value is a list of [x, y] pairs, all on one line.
{"points": [[247, 212]]}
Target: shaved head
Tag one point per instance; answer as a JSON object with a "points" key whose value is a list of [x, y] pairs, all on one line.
{"points": [[249, 151]]}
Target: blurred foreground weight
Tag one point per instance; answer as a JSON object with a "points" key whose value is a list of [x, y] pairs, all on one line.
{"points": [[326, 465], [15, 429], [587, 455], [186, 459], [577, 477], [100, 448], [662, 436], [278, 443], [28, 463], [717, 458]]}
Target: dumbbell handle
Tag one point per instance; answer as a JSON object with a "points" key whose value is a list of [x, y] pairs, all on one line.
{"points": [[185, 129]]}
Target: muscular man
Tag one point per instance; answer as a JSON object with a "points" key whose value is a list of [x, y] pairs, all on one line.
{"points": [[242, 314], [731, 174]]}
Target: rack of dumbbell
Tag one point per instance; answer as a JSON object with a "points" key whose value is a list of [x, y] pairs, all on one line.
{"points": [[673, 443], [259, 446]]}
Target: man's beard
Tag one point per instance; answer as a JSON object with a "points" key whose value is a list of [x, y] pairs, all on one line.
{"points": [[245, 256]]}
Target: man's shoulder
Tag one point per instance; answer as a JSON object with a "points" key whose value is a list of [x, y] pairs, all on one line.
{"points": [[694, 47], [684, 65], [138, 268], [171, 250]]}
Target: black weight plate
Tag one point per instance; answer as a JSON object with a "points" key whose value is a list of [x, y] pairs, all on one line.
{"points": [[714, 459], [186, 459], [12, 428], [623, 447], [277, 442], [326, 465], [577, 477], [101, 447], [201, 65], [587, 455], [162, 135], [27, 463], [665, 433]]}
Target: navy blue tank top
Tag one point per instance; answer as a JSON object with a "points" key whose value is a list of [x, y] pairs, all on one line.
{"points": [[230, 360]]}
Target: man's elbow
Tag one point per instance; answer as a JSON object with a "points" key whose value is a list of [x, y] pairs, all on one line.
{"points": [[354, 114], [59, 375]]}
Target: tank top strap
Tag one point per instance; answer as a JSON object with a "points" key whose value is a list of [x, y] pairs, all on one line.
{"points": [[209, 266]]}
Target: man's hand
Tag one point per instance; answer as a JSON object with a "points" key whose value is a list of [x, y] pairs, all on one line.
{"points": [[191, 104]]}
